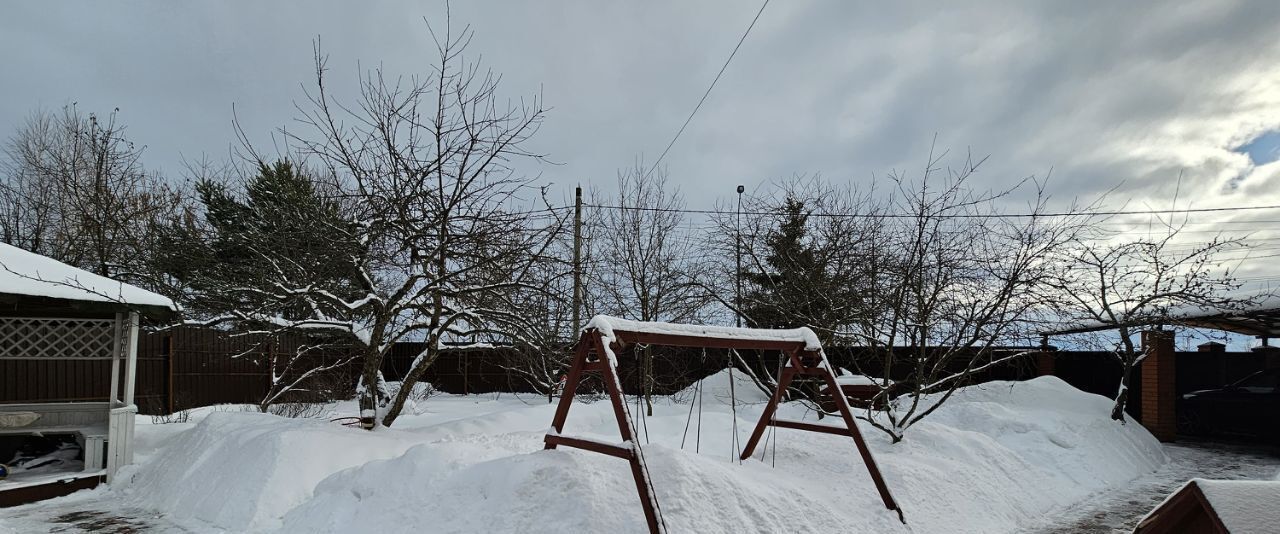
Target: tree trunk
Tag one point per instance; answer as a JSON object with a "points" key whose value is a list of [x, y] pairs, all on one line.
{"points": [[407, 383], [1122, 397], [1129, 358], [370, 373]]}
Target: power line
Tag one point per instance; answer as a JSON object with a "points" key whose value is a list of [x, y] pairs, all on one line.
{"points": [[709, 88], [941, 216]]}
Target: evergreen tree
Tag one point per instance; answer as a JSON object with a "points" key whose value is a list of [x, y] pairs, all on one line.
{"points": [[282, 226], [799, 287]]}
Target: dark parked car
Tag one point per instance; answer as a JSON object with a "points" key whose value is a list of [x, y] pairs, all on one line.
{"points": [[1249, 406]]}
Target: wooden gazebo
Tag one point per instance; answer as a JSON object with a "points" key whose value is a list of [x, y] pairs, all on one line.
{"points": [[53, 316]]}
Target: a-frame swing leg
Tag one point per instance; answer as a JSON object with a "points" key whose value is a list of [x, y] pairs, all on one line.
{"points": [[842, 403], [813, 366], [784, 380], [570, 388], [630, 449]]}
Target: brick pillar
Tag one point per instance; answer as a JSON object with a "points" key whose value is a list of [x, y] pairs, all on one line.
{"points": [[1044, 363], [1270, 355], [1159, 385], [1212, 346]]}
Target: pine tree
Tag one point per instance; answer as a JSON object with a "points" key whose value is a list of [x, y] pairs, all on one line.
{"points": [[799, 288], [282, 225]]}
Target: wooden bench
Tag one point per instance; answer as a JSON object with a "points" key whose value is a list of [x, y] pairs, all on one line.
{"points": [[87, 421]]}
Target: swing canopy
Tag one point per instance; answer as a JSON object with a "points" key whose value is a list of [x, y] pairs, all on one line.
{"points": [[625, 332]]}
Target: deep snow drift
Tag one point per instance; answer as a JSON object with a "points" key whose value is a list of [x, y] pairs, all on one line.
{"points": [[996, 458]]}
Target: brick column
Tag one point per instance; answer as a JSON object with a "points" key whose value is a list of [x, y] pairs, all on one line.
{"points": [[1159, 385], [1270, 355], [1044, 362]]}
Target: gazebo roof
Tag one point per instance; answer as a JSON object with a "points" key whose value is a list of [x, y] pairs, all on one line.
{"points": [[34, 282], [1261, 319]]}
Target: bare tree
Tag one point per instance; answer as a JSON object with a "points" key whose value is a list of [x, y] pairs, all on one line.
{"points": [[952, 278], [543, 358], [648, 266], [74, 189], [451, 233], [930, 278], [1127, 284]]}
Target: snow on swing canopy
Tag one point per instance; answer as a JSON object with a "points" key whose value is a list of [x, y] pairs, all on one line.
{"points": [[628, 331]]}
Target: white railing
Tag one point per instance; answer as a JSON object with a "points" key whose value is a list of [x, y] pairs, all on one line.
{"points": [[120, 439]]}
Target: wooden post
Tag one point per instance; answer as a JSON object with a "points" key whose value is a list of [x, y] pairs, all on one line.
{"points": [[577, 258], [117, 331], [813, 364], [629, 449], [131, 364], [784, 380], [168, 364]]}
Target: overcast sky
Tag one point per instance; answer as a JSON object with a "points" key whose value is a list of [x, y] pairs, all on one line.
{"points": [[1105, 94]]}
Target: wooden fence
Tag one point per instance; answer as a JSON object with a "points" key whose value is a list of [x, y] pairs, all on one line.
{"points": [[188, 367]]}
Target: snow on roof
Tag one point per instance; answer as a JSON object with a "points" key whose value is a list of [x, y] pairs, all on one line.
{"points": [[1243, 505], [606, 325], [1251, 302], [850, 378], [27, 273]]}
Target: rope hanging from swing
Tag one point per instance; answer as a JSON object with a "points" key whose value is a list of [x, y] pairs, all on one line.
{"points": [[697, 394], [734, 449]]}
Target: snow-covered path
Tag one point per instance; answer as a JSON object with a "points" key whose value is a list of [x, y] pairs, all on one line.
{"points": [[1119, 511]]}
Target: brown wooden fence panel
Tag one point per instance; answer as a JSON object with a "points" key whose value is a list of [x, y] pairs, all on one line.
{"points": [[54, 380], [185, 367], [210, 367]]}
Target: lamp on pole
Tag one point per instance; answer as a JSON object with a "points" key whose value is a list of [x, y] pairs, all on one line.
{"points": [[737, 254]]}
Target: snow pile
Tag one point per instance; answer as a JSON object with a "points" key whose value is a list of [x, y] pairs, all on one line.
{"points": [[608, 325], [996, 458], [716, 388], [850, 378], [244, 470], [1046, 448], [28, 273], [1244, 506], [1057, 429]]}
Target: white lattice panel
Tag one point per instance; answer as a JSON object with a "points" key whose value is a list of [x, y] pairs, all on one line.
{"points": [[41, 338]]}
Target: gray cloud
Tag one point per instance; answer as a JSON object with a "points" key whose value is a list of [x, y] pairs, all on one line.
{"points": [[1102, 92]]}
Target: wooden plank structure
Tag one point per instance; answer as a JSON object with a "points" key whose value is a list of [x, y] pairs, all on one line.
{"points": [[1216, 507], [50, 311], [603, 337]]}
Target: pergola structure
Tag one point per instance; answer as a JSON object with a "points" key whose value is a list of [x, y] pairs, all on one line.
{"points": [[1261, 320], [1159, 403], [603, 337], [50, 313]]}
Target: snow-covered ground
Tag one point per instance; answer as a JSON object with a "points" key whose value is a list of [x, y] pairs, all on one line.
{"points": [[1000, 457], [1120, 510]]}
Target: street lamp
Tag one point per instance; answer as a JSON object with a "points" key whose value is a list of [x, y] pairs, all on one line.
{"points": [[737, 253]]}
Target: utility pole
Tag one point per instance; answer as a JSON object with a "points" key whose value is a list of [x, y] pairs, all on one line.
{"points": [[737, 254], [577, 261]]}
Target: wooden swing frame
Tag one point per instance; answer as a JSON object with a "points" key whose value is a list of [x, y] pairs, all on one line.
{"points": [[594, 353]]}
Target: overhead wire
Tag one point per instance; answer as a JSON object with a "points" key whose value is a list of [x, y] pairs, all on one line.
{"points": [[709, 88]]}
